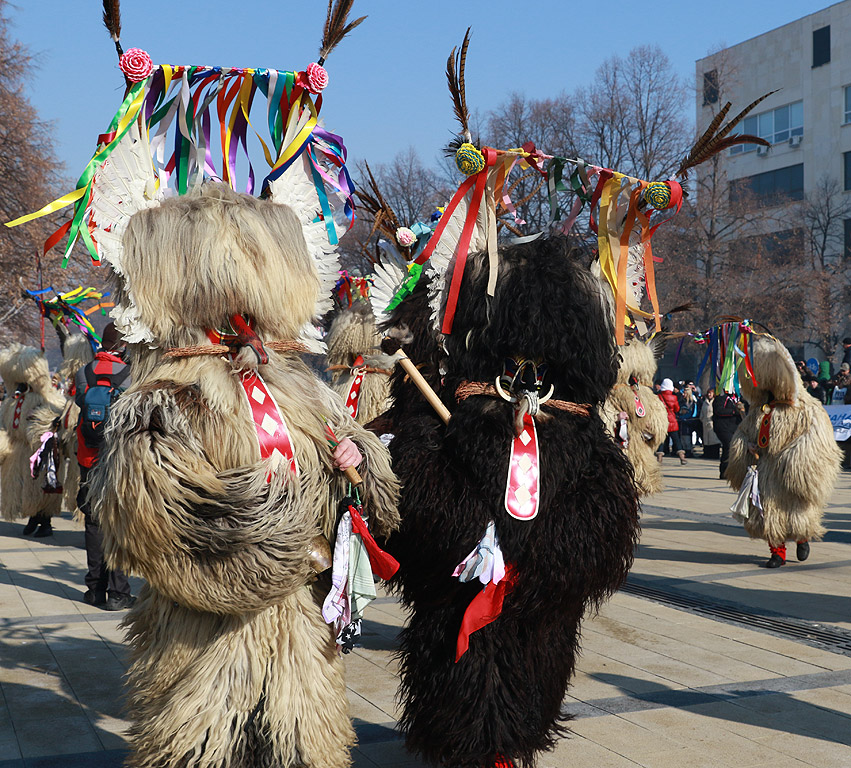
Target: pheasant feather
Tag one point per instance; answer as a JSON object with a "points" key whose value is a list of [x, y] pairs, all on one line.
{"points": [[715, 139], [455, 66], [336, 27]]}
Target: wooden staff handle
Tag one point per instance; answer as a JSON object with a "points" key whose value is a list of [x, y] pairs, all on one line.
{"points": [[353, 477], [423, 386]]}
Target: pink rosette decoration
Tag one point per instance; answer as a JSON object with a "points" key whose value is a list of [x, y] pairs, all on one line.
{"points": [[136, 64], [405, 237], [317, 78]]}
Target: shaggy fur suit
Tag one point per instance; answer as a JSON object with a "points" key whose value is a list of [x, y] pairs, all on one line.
{"points": [[232, 665], [76, 352], [502, 700], [645, 433], [799, 467], [351, 333], [20, 494]]}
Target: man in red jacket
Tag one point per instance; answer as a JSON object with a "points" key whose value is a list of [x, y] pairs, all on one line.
{"points": [[102, 380], [672, 406]]}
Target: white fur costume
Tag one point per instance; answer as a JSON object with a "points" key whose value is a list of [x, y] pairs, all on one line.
{"points": [[20, 432], [799, 466]]}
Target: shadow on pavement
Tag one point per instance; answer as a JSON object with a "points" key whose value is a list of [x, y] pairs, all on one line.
{"points": [[769, 709]]}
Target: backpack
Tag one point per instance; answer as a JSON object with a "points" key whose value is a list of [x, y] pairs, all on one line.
{"points": [[100, 394]]}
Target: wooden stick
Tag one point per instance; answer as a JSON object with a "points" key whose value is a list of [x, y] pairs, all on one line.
{"points": [[423, 386], [353, 477]]}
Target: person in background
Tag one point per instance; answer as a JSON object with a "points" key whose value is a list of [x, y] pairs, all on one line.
{"points": [[815, 388], [687, 416], [97, 385], [846, 350], [672, 405], [711, 443], [841, 385], [726, 416]]}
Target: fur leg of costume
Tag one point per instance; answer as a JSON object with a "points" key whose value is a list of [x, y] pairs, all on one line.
{"points": [[502, 699]]}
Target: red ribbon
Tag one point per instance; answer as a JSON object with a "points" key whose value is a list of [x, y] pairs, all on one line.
{"points": [[483, 609], [383, 564], [462, 249]]}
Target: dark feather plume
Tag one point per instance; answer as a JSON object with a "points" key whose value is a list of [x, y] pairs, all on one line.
{"points": [[455, 66], [112, 18], [336, 27], [112, 22], [384, 219], [715, 139]]}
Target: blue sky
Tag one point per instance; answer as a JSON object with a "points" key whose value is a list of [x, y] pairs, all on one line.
{"points": [[387, 90]]}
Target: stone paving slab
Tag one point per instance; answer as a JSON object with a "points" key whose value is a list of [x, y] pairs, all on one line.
{"points": [[656, 686]]}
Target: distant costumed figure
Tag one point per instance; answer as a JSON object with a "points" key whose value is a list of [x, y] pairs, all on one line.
{"points": [[399, 301], [519, 512], [635, 416], [67, 310], [784, 460], [220, 478], [360, 371], [22, 475]]}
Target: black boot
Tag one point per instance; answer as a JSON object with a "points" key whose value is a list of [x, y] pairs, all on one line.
{"points": [[31, 525], [803, 550], [44, 527]]}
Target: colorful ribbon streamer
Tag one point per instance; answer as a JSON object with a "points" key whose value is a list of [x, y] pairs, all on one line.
{"points": [[185, 103]]}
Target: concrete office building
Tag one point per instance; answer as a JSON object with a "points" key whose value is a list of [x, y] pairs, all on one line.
{"points": [[808, 119]]}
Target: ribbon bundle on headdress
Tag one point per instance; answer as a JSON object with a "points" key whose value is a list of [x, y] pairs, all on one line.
{"points": [[469, 221], [728, 345], [64, 309], [184, 112], [624, 213]]}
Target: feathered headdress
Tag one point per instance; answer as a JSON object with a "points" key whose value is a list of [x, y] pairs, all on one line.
{"points": [[181, 125], [469, 222], [395, 274]]}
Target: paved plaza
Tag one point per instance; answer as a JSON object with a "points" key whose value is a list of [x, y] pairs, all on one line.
{"points": [[704, 659]]}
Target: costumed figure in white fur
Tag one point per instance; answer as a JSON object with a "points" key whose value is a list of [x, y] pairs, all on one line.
{"points": [[220, 478], [28, 390], [76, 352], [783, 457], [635, 416], [360, 371]]}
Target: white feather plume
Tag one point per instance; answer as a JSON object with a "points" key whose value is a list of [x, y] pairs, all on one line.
{"points": [[444, 252], [124, 184], [388, 278]]}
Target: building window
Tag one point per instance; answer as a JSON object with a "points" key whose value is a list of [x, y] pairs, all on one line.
{"points": [[771, 187], [821, 46], [775, 126], [846, 157], [847, 249], [847, 117], [710, 87]]}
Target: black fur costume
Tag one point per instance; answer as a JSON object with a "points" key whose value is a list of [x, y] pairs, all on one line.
{"points": [[503, 698]]}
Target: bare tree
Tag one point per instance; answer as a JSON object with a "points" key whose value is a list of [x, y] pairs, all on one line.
{"points": [[30, 177], [632, 114]]}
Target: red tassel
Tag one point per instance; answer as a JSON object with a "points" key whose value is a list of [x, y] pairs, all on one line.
{"points": [[383, 564], [483, 609]]}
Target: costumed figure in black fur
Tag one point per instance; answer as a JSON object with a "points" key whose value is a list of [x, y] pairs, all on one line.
{"points": [[481, 694]]}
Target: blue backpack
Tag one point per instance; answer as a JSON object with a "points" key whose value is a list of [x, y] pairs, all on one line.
{"points": [[101, 393]]}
